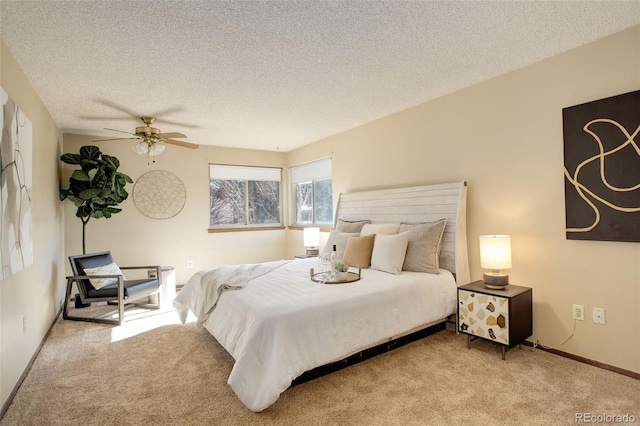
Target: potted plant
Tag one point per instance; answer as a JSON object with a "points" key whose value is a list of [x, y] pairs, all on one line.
{"points": [[341, 269], [97, 187]]}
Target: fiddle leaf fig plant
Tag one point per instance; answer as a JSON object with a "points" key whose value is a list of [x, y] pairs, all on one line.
{"points": [[97, 187]]}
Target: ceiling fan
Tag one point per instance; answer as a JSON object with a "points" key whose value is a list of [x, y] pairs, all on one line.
{"points": [[151, 139]]}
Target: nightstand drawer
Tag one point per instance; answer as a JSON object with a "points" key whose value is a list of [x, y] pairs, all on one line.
{"points": [[484, 315]]}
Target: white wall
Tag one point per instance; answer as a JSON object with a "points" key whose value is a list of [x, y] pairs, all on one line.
{"points": [[36, 292], [504, 137]]}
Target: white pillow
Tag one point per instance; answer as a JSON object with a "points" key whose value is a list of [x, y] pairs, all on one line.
{"points": [[379, 228], [338, 238], [108, 269], [388, 252]]}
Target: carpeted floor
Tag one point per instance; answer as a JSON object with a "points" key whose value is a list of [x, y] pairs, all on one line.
{"points": [[154, 371]]}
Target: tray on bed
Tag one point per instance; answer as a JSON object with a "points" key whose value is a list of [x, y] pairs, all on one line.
{"points": [[320, 277]]}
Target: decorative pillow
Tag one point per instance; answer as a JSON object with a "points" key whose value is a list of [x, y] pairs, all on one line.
{"points": [[357, 252], [351, 226], [380, 228], [108, 269], [340, 240], [423, 249], [388, 252]]}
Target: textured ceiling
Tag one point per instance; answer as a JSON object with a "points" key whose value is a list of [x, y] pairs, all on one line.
{"points": [[277, 75]]}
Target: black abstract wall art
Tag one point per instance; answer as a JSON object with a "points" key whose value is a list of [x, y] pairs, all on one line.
{"points": [[602, 169]]}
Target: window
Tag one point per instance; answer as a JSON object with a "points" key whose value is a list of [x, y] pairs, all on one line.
{"points": [[243, 196], [312, 192]]}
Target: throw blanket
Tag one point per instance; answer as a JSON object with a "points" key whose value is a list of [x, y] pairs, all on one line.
{"points": [[214, 282]]}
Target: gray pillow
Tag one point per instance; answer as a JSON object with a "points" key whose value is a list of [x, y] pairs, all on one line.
{"points": [[423, 249], [340, 240], [348, 226]]}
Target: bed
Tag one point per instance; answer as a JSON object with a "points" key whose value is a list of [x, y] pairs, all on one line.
{"points": [[278, 324]]}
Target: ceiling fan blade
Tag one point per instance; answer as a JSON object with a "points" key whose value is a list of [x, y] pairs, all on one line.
{"points": [[171, 135], [177, 123], [136, 116], [181, 143], [116, 106], [167, 111], [114, 139], [121, 131], [105, 118]]}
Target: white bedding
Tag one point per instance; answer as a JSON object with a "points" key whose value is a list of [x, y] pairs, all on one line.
{"points": [[282, 324]]}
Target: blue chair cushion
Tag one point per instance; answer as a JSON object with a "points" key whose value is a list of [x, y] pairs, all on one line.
{"points": [[133, 289]]}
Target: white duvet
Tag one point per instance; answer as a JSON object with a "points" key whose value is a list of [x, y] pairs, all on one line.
{"points": [[281, 324]]}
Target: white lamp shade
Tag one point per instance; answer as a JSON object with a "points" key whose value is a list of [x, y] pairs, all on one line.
{"points": [[141, 148], [495, 252], [156, 149], [311, 237]]}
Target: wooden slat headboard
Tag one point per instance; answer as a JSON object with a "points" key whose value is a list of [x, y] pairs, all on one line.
{"points": [[426, 203]]}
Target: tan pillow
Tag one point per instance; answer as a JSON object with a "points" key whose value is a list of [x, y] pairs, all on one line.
{"points": [[358, 251], [423, 250]]}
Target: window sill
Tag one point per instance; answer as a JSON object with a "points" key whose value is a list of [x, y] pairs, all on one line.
{"points": [[301, 228], [253, 228]]}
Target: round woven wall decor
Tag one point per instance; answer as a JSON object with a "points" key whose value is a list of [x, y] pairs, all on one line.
{"points": [[159, 194]]}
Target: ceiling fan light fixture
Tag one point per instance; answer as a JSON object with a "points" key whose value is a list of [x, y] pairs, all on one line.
{"points": [[151, 140], [141, 148], [156, 149]]}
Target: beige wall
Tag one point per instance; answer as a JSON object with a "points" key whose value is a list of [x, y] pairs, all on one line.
{"points": [[36, 292], [504, 137], [135, 239]]}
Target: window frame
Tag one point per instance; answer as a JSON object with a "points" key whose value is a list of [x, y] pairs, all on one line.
{"points": [[247, 174]]}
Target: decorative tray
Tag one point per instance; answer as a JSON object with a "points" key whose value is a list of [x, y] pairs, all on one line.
{"points": [[323, 277]]}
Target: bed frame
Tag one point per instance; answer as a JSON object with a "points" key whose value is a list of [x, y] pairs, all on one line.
{"points": [[427, 203]]}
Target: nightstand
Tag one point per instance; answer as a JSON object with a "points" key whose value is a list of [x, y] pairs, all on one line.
{"points": [[501, 316], [304, 256]]}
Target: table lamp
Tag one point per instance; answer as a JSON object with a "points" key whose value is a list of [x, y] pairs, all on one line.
{"points": [[495, 254], [312, 241]]}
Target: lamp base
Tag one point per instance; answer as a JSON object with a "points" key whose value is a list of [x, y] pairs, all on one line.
{"points": [[313, 252], [495, 281]]}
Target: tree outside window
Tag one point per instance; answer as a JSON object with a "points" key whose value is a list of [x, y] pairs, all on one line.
{"points": [[312, 192], [314, 202], [244, 196]]}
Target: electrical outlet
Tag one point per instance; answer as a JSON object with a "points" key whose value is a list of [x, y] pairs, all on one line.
{"points": [[24, 324], [598, 316], [189, 263], [578, 312]]}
